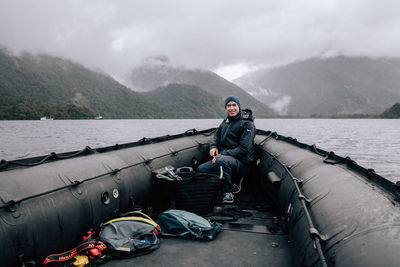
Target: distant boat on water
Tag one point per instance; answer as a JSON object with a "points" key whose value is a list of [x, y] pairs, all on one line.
{"points": [[99, 117], [46, 118]]}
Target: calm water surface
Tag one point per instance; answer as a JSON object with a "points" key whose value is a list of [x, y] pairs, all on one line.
{"points": [[372, 143]]}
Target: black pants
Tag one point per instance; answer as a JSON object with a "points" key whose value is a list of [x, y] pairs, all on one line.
{"points": [[231, 167]]}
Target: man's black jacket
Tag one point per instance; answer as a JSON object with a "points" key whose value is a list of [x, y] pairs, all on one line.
{"points": [[235, 137]]}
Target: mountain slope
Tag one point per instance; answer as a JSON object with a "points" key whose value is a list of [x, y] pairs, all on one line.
{"points": [[33, 86], [48, 81], [191, 101], [392, 112], [339, 85], [159, 73]]}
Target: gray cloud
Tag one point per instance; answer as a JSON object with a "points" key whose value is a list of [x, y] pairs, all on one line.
{"points": [[116, 35]]}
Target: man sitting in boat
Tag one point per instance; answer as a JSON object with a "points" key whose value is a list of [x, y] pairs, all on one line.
{"points": [[232, 147]]}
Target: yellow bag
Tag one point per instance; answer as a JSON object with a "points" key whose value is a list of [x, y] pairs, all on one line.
{"points": [[81, 260]]}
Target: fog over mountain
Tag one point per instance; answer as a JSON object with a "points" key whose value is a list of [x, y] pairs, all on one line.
{"points": [[159, 72], [326, 86]]}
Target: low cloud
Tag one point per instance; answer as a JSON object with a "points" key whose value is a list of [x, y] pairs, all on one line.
{"points": [[281, 105], [229, 37]]}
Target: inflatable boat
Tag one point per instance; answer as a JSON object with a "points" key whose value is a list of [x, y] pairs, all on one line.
{"points": [[308, 207]]}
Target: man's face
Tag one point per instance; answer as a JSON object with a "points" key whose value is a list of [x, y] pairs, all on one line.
{"points": [[232, 108]]}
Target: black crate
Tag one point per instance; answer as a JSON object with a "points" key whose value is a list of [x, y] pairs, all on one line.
{"points": [[195, 193]]}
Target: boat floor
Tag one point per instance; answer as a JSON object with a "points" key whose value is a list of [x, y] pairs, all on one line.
{"points": [[249, 241]]}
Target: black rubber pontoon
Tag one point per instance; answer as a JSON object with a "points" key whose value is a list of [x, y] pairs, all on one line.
{"points": [[333, 212]]}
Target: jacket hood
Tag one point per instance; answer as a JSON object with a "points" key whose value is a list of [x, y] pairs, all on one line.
{"points": [[247, 114]]}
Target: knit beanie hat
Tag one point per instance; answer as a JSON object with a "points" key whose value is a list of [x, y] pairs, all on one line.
{"points": [[232, 98]]}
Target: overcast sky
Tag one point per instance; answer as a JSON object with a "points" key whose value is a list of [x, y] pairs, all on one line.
{"points": [[226, 36]]}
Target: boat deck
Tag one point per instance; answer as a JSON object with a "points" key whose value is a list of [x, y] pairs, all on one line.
{"points": [[249, 241], [253, 238]]}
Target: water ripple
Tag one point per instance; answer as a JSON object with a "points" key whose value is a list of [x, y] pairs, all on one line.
{"points": [[372, 143]]}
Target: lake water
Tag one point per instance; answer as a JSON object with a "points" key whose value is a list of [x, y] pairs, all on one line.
{"points": [[372, 143]]}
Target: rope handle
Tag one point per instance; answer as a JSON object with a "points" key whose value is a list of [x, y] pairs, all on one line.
{"points": [[147, 219], [137, 212]]}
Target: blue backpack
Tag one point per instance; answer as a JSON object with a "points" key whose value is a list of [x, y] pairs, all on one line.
{"points": [[186, 224]]}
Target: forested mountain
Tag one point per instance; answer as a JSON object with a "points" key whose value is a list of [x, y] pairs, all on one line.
{"points": [[159, 72], [187, 99], [32, 86], [392, 112], [328, 86]]}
